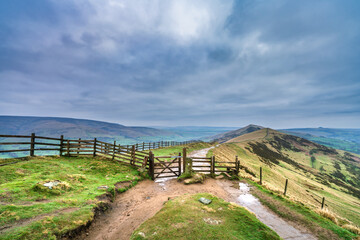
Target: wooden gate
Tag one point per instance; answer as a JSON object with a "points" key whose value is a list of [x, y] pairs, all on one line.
{"points": [[165, 166]]}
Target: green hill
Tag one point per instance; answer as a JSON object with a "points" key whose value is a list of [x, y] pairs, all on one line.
{"points": [[313, 170]]}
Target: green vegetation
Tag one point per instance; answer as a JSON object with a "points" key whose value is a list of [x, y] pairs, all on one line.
{"points": [[301, 215], [334, 174], [186, 218], [26, 206], [347, 140]]}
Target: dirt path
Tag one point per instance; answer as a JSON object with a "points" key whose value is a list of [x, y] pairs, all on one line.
{"points": [[143, 201], [140, 203]]}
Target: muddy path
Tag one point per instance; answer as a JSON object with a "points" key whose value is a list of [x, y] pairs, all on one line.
{"points": [[140, 203], [135, 206], [240, 193]]}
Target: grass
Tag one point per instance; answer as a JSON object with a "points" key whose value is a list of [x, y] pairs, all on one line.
{"points": [[306, 184], [29, 207], [186, 218], [301, 215]]}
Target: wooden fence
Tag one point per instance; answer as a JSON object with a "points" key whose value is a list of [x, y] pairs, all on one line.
{"points": [[210, 165], [70, 147]]}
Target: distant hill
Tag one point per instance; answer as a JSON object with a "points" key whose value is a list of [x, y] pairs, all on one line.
{"points": [[197, 132], [313, 170], [344, 139], [223, 137], [81, 128], [347, 134]]}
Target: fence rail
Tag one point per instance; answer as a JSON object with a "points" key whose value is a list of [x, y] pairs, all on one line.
{"points": [[76, 147]]}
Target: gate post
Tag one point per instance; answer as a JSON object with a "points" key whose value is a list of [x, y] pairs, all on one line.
{"points": [[237, 165], [212, 169], [179, 159], [151, 165], [184, 159]]}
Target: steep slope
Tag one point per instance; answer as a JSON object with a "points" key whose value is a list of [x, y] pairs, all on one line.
{"points": [[223, 137], [313, 170], [346, 142], [347, 134], [78, 128]]}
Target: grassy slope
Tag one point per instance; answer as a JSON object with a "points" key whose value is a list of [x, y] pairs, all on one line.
{"points": [[300, 215], [307, 183], [57, 210], [183, 218], [342, 144]]}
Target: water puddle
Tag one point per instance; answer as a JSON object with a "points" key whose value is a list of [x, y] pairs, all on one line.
{"points": [[241, 192]]}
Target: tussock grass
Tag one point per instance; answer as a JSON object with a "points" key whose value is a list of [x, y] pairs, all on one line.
{"points": [[327, 214], [352, 228], [29, 207]]}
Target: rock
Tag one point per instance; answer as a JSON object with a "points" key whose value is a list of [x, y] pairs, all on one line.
{"points": [[205, 201], [141, 234], [103, 187], [212, 221], [197, 178], [51, 184], [147, 197]]}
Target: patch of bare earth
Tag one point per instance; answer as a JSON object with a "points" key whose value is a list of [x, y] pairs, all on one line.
{"points": [[140, 203]]}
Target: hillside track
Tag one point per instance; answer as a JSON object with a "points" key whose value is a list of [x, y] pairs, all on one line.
{"points": [[135, 206]]}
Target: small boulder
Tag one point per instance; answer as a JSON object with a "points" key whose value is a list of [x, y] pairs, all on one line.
{"points": [[142, 234], [205, 201], [197, 178]]}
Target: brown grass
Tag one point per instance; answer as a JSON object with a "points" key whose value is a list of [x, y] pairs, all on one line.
{"points": [[326, 213], [352, 229], [294, 218]]}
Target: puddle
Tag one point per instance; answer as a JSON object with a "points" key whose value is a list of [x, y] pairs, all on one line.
{"points": [[241, 192]]}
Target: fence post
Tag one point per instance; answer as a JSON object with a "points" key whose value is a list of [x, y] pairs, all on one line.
{"points": [[68, 147], [162, 143], [113, 156], [261, 176], [78, 147], [151, 165], [286, 184], [179, 159], [323, 203], [237, 165], [212, 166], [133, 155], [184, 159], [94, 153], [32, 145], [61, 145]]}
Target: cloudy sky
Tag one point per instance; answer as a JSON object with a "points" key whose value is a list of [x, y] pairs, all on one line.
{"points": [[275, 63]]}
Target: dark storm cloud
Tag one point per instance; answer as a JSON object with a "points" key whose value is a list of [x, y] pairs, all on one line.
{"points": [[276, 63]]}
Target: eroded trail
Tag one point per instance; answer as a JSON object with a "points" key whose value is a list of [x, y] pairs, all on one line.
{"points": [[240, 192], [143, 201], [140, 203]]}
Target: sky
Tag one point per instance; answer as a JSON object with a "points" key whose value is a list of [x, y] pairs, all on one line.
{"points": [[275, 63]]}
